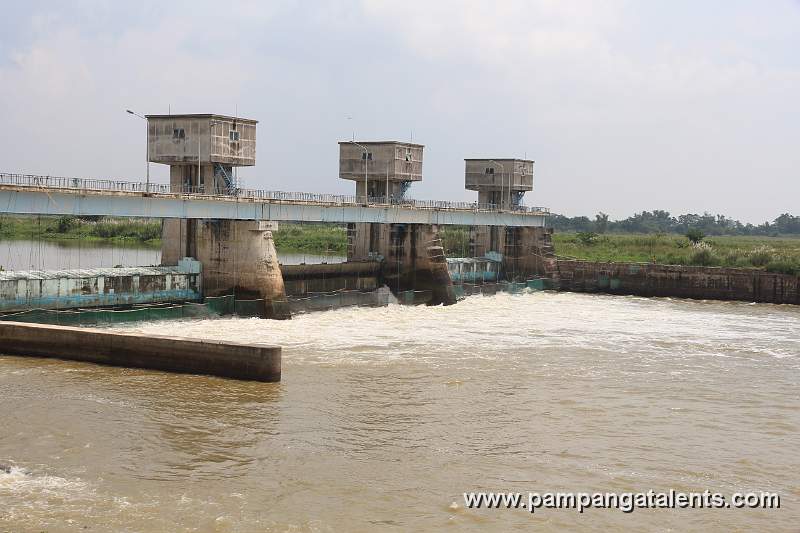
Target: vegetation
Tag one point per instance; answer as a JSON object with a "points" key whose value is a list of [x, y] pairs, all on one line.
{"points": [[312, 238], [774, 254], [689, 247], [658, 221], [455, 240], [146, 231], [695, 235]]}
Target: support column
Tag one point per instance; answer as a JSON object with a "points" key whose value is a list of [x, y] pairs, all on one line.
{"points": [[239, 257], [527, 251], [413, 257]]}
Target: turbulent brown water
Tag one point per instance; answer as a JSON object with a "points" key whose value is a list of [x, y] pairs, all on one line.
{"points": [[386, 416]]}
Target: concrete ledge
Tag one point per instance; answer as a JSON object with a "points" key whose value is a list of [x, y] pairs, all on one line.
{"points": [[258, 362]]}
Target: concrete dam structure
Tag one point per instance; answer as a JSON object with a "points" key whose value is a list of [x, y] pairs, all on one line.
{"points": [[208, 217]]}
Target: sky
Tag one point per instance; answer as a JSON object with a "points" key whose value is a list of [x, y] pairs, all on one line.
{"points": [[624, 105]]}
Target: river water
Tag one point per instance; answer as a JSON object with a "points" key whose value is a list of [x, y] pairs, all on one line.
{"points": [[385, 417]]}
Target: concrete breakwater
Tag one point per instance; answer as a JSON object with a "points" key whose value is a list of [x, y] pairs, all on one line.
{"points": [[704, 283], [257, 362]]}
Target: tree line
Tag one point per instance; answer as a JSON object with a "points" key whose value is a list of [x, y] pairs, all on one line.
{"points": [[658, 221]]}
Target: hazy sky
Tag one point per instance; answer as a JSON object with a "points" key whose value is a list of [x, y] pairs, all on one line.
{"points": [[688, 106]]}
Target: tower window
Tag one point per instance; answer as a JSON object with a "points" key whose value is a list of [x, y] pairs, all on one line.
{"points": [[233, 135], [489, 170], [366, 155], [178, 133]]}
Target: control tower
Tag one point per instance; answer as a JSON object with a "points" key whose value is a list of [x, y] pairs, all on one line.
{"points": [[201, 150], [383, 170], [238, 256], [500, 182]]}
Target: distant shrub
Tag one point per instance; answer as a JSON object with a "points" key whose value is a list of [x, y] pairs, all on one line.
{"points": [[586, 237], [695, 235], [703, 255], [66, 223], [734, 257], [127, 229], [761, 256], [784, 266]]}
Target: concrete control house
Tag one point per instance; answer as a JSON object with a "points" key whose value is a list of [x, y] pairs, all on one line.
{"points": [[499, 182], [381, 169], [237, 256], [201, 149]]}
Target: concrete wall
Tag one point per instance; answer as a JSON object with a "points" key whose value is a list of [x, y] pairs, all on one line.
{"points": [[213, 178], [203, 137], [526, 252], [301, 280], [239, 257], [257, 362], [514, 173], [709, 283], [402, 161], [21, 291], [412, 253]]}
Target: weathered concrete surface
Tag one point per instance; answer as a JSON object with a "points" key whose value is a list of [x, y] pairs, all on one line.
{"points": [[238, 257], [301, 280], [258, 362], [204, 138], [241, 256], [413, 257], [64, 289], [527, 252], [705, 283], [40, 200]]}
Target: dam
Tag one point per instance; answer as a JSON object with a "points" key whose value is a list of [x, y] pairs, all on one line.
{"points": [[226, 230]]}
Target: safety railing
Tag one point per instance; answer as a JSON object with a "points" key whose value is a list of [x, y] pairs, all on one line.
{"points": [[90, 184]]}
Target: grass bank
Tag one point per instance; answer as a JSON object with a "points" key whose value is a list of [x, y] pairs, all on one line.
{"points": [[310, 238], [774, 254], [96, 229]]}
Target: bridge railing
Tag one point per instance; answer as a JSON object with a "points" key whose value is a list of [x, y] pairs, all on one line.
{"points": [[90, 184]]}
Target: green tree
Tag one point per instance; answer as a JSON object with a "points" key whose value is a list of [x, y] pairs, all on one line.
{"points": [[601, 222], [695, 235]]}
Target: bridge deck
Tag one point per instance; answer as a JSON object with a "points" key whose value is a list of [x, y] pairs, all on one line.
{"points": [[47, 195]]}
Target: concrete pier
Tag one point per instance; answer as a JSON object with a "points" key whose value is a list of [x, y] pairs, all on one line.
{"points": [[256, 362], [238, 257], [526, 252], [412, 255]]}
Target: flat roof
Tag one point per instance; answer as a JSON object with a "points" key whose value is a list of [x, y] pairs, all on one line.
{"points": [[498, 159], [206, 115], [383, 142]]}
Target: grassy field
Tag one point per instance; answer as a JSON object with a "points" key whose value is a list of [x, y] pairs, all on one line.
{"points": [[140, 231], [776, 254], [311, 238]]}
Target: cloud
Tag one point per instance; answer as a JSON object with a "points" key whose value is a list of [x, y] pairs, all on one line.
{"points": [[625, 106]]}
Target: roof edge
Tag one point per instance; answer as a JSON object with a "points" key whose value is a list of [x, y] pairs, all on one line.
{"points": [[383, 142], [205, 115]]}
